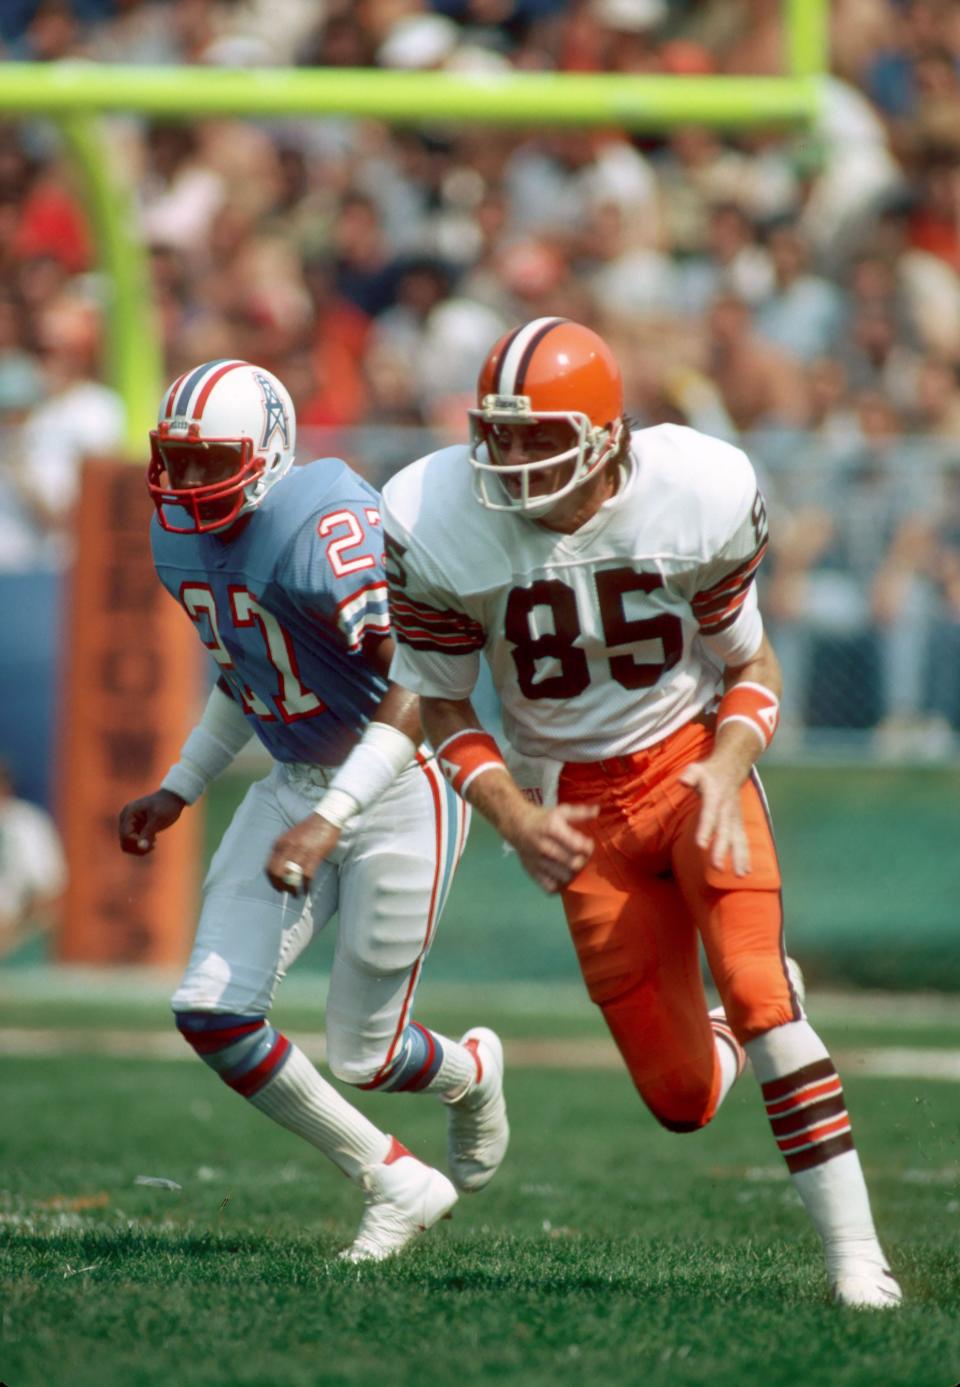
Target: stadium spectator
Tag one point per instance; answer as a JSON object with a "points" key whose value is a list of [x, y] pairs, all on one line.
{"points": [[77, 417], [850, 617], [33, 870], [732, 262], [937, 554], [21, 389], [936, 412], [761, 386], [802, 312]]}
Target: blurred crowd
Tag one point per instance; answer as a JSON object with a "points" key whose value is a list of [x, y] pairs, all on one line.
{"points": [[798, 294]]}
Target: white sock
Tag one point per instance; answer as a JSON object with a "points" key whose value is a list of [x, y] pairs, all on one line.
{"points": [[730, 1054], [729, 1067], [457, 1073], [299, 1099], [805, 1105]]}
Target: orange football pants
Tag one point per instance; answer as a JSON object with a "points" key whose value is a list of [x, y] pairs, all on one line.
{"points": [[641, 903]]}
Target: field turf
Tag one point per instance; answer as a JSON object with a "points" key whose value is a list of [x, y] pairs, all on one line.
{"points": [[606, 1251]]}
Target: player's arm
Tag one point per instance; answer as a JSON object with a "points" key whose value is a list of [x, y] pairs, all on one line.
{"points": [[388, 745], [547, 840], [746, 721], [222, 731], [730, 626]]}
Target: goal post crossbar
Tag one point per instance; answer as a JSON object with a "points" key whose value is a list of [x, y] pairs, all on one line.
{"points": [[510, 98]]}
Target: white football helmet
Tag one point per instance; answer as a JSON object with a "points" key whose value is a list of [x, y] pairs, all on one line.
{"points": [[237, 422]]}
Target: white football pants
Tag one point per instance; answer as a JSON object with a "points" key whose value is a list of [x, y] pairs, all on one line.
{"points": [[389, 877]]}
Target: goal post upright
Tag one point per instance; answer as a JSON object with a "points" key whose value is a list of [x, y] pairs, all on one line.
{"points": [[132, 348]]}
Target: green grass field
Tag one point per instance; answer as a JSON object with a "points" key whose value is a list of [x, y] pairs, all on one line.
{"points": [[605, 1251]]}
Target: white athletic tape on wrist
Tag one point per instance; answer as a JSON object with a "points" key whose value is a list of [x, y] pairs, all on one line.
{"points": [[372, 766], [222, 731], [753, 704]]}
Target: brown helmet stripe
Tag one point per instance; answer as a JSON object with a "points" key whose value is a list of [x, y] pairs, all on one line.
{"points": [[507, 344], [515, 360]]}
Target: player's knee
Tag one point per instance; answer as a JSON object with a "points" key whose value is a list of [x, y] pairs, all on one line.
{"points": [[348, 1059], [679, 1111], [356, 1070], [193, 1025], [756, 998], [246, 1051]]}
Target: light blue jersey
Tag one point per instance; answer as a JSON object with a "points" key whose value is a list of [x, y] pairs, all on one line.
{"points": [[284, 605]]}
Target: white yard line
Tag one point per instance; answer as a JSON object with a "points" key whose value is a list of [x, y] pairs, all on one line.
{"points": [[886, 1062]]}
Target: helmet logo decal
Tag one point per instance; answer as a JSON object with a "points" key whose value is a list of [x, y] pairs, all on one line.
{"points": [[276, 420]]}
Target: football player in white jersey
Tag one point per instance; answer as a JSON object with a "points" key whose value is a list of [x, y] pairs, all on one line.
{"points": [[280, 570], [608, 578]]}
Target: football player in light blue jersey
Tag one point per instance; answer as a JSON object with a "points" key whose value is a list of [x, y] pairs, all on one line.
{"points": [[281, 572]]}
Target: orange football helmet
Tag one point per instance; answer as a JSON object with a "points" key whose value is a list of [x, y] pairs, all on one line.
{"points": [[549, 369]]}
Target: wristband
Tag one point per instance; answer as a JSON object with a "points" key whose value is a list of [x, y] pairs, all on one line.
{"points": [[753, 704], [467, 754], [337, 807], [373, 765], [222, 731]]}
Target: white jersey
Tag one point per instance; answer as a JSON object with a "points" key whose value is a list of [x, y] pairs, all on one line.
{"points": [[600, 642]]}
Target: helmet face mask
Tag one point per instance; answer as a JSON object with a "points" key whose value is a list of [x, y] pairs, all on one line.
{"points": [[535, 485], [210, 505], [547, 373], [225, 434]]}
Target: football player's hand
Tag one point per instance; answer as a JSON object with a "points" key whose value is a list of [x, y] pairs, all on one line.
{"points": [[142, 819], [305, 845], [551, 847], [720, 830]]}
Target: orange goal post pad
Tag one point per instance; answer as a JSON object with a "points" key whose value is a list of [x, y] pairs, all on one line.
{"points": [[131, 693]]}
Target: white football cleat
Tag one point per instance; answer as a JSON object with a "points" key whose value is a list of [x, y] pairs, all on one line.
{"points": [[477, 1130], [867, 1287], [403, 1197]]}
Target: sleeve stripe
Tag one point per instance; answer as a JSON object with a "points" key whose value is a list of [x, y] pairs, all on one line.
{"points": [[703, 611], [715, 625], [429, 615], [416, 616], [372, 623], [458, 644], [379, 587], [731, 580], [348, 615], [363, 613]]}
